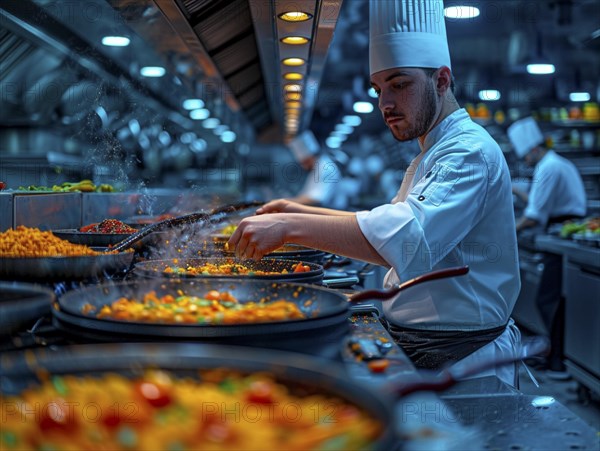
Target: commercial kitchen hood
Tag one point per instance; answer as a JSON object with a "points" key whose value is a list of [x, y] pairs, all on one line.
{"points": [[227, 53]]}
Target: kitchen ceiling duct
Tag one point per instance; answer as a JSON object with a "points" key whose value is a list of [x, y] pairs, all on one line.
{"points": [[226, 32]]}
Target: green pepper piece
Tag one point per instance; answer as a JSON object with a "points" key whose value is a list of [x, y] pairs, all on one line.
{"points": [[59, 385]]}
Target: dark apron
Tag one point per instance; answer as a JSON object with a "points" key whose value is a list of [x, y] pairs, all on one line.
{"points": [[436, 349]]}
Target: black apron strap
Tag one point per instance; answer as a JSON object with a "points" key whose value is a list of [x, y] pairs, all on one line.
{"points": [[435, 349]]}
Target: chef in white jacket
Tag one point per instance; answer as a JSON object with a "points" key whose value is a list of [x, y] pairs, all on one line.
{"points": [[557, 193], [323, 175], [454, 206]]}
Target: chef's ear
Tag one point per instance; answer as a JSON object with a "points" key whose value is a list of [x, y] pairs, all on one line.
{"points": [[443, 81]]}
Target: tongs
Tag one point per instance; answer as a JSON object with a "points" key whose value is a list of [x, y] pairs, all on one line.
{"points": [[214, 216]]}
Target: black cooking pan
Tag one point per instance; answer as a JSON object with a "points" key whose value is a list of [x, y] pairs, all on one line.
{"points": [[301, 374], [321, 306], [21, 304], [156, 268], [320, 333], [60, 269]]}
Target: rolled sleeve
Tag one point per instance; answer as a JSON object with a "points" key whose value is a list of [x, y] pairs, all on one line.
{"points": [[394, 231]]}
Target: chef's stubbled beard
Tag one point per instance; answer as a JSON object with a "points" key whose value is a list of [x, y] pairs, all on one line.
{"points": [[425, 114]]}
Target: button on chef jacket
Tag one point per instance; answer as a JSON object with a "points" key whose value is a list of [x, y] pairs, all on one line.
{"points": [[556, 190], [455, 208]]}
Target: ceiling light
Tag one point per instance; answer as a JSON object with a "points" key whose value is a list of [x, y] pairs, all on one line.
{"points": [[292, 87], [293, 76], [220, 130], [293, 104], [198, 145], [152, 71], [211, 123], [193, 104], [372, 93], [363, 107], [187, 137], [540, 68], [293, 61], [343, 128], [228, 136], [294, 16], [294, 40], [115, 41], [333, 143], [461, 12], [293, 96], [199, 114], [489, 95], [579, 96], [353, 121]]}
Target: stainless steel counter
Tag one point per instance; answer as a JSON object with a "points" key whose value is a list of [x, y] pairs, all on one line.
{"points": [[573, 251]]}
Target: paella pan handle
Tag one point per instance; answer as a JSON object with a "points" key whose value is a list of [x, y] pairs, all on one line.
{"points": [[388, 294], [449, 377], [192, 218]]}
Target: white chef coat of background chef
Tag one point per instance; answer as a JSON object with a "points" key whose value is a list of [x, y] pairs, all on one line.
{"points": [[556, 189], [454, 206], [323, 178]]}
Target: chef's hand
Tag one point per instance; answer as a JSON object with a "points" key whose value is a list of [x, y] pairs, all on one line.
{"points": [[281, 206], [257, 236]]}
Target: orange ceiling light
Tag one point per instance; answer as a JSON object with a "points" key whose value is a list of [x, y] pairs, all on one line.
{"points": [[293, 76], [293, 62], [295, 16], [293, 104], [295, 40]]}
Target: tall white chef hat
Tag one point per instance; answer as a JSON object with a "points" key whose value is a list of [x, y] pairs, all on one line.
{"points": [[407, 33], [304, 145], [524, 135]]}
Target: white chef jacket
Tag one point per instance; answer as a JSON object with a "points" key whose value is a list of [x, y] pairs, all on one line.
{"points": [[454, 208], [556, 190], [321, 181]]}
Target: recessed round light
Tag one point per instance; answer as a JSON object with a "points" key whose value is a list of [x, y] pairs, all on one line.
{"points": [[293, 76], [152, 71], [363, 107], [294, 16], [293, 61], [200, 114], [292, 87], [540, 69], [228, 136], [292, 96], [193, 104], [115, 41], [490, 95], [461, 12], [211, 123], [579, 96], [294, 40]]}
